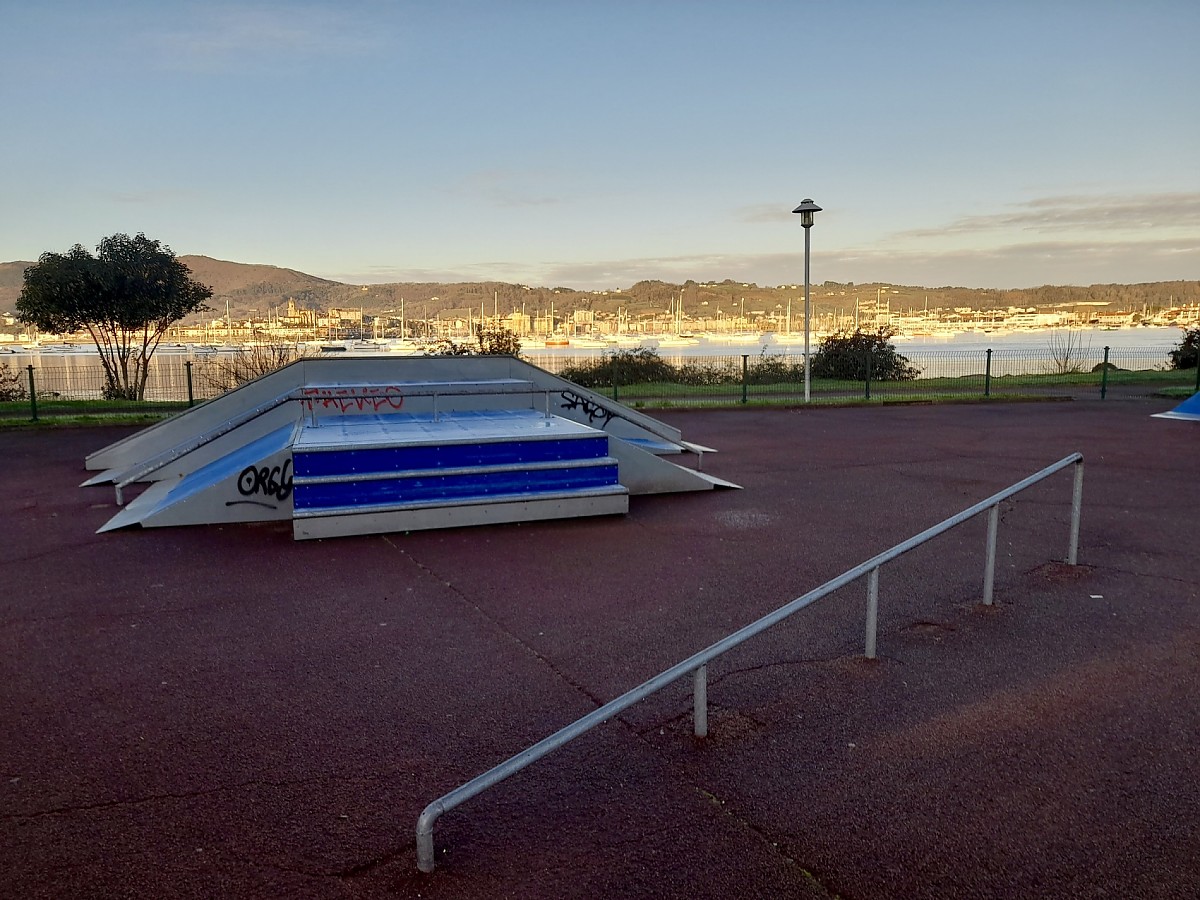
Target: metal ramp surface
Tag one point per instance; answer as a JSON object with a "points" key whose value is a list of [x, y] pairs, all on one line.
{"points": [[406, 443], [1189, 409]]}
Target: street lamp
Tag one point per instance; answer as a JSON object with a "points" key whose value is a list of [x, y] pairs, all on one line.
{"points": [[806, 210]]}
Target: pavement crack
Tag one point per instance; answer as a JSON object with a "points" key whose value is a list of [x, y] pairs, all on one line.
{"points": [[774, 664], [496, 624], [779, 849], [1159, 576], [149, 798]]}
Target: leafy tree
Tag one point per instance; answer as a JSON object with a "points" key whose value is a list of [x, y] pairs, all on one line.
{"points": [[125, 297], [1187, 354], [851, 356]]}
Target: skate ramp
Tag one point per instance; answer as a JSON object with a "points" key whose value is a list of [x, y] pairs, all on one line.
{"points": [[482, 425], [1189, 409]]}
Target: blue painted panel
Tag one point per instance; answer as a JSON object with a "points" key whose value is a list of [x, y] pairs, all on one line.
{"points": [[446, 456], [483, 484]]}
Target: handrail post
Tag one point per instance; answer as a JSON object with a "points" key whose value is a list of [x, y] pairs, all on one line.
{"points": [[989, 567], [700, 701], [425, 856], [872, 611], [1076, 514]]}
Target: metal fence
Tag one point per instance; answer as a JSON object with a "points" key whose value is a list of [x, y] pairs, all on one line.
{"points": [[925, 374], [54, 385]]}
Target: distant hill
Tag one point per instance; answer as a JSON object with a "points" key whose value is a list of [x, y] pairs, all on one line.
{"points": [[12, 276], [231, 277], [252, 291]]}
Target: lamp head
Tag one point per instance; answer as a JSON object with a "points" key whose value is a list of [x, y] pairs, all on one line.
{"points": [[806, 210]]}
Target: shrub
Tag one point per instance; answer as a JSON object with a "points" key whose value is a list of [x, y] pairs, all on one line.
{"points": [[498, 342], [1068, 349], [637, 366], [774, 370], [12, 385], [1185, 356], [491, 342], [224, 373], [850, 356], [706, 374]]}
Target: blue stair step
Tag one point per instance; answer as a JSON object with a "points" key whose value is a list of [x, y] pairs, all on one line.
{"points": [[521, 462]]}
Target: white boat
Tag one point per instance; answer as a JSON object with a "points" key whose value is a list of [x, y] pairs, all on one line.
{"points": [[66, 348], [740, 337], [405, 346], [676, 340]]}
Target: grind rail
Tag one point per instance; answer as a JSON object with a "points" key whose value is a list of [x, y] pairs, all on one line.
{"points": [[697, 664]]}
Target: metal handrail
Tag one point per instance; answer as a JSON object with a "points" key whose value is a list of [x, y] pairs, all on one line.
{"points": [[697, 663]]}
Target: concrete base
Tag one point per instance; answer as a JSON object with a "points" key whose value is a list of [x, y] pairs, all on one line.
{"points": [[610, 501]]}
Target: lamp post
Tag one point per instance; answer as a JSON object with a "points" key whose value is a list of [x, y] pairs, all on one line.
{"points": [[806, 210]]}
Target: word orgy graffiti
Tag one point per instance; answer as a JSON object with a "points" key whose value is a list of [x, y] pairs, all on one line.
{"points": [[267, 481], [592, 410], [372, 397]]}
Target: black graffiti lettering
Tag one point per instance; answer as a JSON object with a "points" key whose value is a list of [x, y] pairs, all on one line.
{"points": [[593, 411], [271, 481]]}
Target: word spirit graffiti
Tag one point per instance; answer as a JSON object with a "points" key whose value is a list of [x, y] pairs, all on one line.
{"points": [[344, 399], [266, 481], [592, 410]]}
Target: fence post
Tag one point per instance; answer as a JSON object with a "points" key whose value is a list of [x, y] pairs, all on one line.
{"points": [[870, 356], [745, 376], [191, 398], [872, 611], [987, 375], [1104, 375], [700, 701], [32, 397], [1198, 374]]}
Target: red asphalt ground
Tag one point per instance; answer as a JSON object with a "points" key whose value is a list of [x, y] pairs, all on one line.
{"points": [[220, 711]]}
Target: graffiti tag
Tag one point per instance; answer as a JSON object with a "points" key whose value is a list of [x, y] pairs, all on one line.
{"points": [[267, 481], [372, 398], [592, 410]]}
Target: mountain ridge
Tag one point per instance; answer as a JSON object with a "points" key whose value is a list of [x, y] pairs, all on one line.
{"points": [[253, 290]]}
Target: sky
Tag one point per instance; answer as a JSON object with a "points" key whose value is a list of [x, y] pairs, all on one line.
{"points": [[595, 144]]}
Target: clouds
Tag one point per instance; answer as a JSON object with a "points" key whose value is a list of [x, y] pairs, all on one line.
{"points": [[1078, 212], [506, 189], [220, 37], [373, 140]]}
